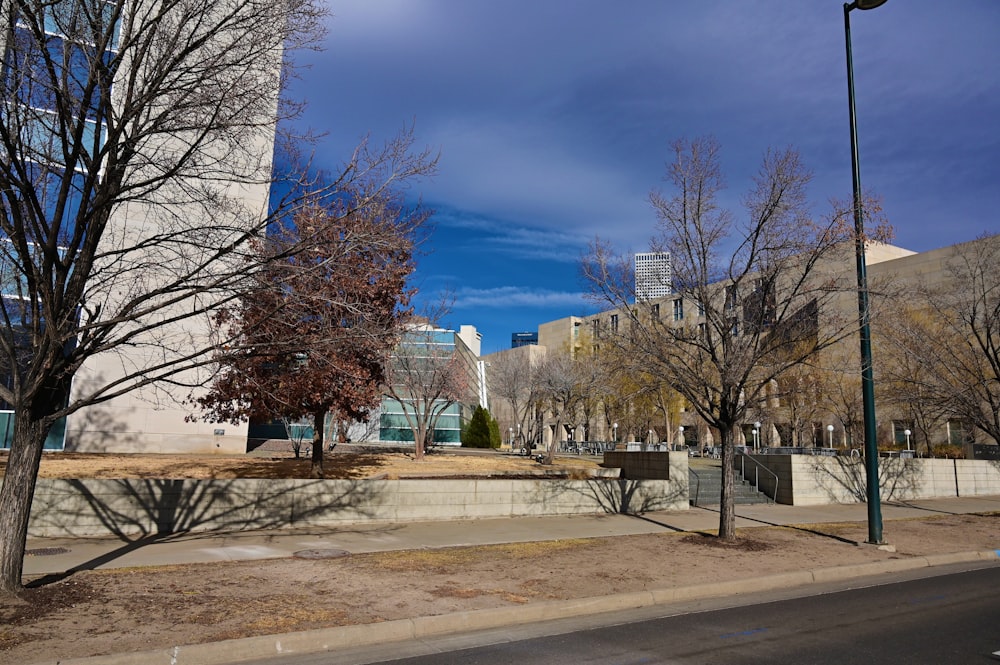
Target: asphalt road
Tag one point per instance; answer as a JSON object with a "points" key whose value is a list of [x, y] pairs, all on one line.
{"points": [[949, 619]]}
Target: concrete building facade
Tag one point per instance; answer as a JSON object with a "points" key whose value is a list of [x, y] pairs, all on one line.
{"points": [[219, 196]]}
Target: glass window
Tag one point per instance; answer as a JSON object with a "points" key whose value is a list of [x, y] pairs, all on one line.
{"points": [[27, 71], [678, 309], [82, 20], [41, 142], [899, 430], [960, 432], [731, 297]]}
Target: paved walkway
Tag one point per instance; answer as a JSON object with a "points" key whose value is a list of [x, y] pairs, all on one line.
{"points": [[58, 555]]}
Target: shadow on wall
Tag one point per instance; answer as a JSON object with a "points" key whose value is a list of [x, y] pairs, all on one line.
{"points": [[97, 419], [621, 495], [141, 512], [843, 479]]}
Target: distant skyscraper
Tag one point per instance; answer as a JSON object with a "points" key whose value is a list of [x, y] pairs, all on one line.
{"points": [[652, 275], [523, 339]]}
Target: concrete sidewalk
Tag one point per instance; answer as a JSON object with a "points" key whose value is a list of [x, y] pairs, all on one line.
{"points": [[53, 556]]}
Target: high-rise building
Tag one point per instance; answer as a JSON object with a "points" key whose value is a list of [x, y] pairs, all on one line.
{"points": [[652, 275], [523, 339], [136, 155]]}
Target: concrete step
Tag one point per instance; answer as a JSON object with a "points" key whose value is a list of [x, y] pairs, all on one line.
{"points": [[705, 488]]}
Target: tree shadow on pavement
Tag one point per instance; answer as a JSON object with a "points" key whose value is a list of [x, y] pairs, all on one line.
{"points": [[142, 512], [804, 528]]}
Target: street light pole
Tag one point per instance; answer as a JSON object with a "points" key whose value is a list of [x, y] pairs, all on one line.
{"points": [[864, 315]]}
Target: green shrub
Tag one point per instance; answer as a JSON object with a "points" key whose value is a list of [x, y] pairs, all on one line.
{"points": [[495, 439], [477, 433]]}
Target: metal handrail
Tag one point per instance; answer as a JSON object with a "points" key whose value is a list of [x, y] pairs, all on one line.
{"points": [[697, 486], [756, 474]]}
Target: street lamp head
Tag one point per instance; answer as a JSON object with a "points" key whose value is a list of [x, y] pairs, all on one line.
{"points": [[907, 432], [829, 428], [756, 425], [866, 4]]}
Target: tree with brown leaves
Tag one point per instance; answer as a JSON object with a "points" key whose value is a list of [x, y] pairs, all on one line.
{"points": [[314, 334]]}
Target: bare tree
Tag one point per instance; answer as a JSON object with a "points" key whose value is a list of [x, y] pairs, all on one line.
{"points": [[137, 142], [513, 378], [632, 401], [900, 377], [427, 374], [560, 381], [952, 333], [759, 289], [840, 394], [798, 394], [593, 378]]}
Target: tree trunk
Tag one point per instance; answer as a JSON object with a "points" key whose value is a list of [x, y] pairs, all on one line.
{"points": [[319, 422], [419, 441], [550, 454], [16, 496], [727, 504]]}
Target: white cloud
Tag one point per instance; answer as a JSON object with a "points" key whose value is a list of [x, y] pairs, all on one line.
{"points": [[514, 296]]}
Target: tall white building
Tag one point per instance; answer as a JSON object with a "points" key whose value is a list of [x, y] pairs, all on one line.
{"points": [[153, 139], [652, 275]]}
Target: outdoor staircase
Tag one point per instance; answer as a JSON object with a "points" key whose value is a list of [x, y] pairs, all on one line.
{"points": [[705, 487]]}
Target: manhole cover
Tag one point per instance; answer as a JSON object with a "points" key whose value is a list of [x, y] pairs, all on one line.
{"points": [[46, 551], [321, 554]]}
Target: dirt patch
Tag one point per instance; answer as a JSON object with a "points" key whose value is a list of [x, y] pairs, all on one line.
{"points": [[349, 463], [745, 544]]}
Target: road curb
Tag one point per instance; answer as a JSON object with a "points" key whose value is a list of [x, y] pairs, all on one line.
{"points": [[330, 639]]}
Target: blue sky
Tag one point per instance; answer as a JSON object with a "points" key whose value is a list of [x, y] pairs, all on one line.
{"points": [[554, 118]]}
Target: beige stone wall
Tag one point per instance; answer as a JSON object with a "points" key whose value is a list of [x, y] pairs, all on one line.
{"points": [[806, 480], [561, 333], [135, 508]]}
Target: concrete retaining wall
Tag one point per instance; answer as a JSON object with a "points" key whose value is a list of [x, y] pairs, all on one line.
{"points": [[142, 507], [649, 465], [806, 480]]}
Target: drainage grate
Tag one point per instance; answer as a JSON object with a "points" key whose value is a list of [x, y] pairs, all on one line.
{"points": [[320, 554], [46, 551]]}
